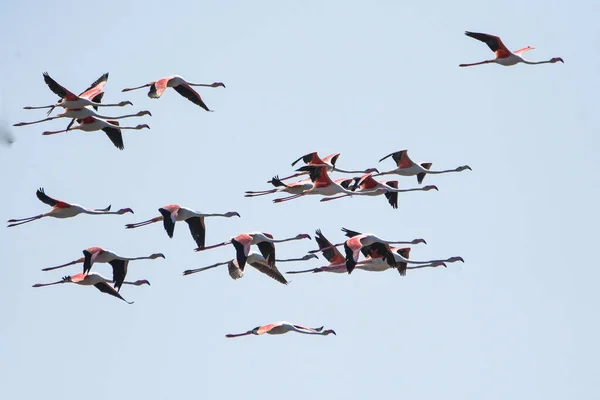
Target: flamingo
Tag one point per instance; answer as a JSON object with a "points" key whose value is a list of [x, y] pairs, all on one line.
{"points": [[95, 279], [81, 113], [70, 100], [401, 257], [257, 261], [264, 241], [172, 213], [279, 328], [111, 128], [503, 55], [62, 209], [296, 187], [368, 184], [407, 167], [323, 185], [330, 161], [118, 263], [367, 243], [182, 87]]}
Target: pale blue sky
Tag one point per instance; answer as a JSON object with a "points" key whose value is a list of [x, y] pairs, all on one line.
{"points": [[518, 320]]}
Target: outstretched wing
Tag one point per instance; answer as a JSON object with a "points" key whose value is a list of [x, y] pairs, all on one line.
{"points": [[310, 158], [115, 136], [169, 219], [44, 198], [95, 88], [269, 270], [401, 158], [106, 288], [493, 42], [523, 50], [119, 271], [350, 233], [392, 197], [267, 249], [198, 230], [57, 88], [331, 253], [190, 94]]}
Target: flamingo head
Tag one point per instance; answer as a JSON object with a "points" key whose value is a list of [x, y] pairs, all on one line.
{"points": [[463, 167], [329, 331], [557, 59], [430, 187], [142, 126], [125, 210], [309, 256], [454, 259], [125, 103], [371, 170], [303, 236], [217, 84], [142, 113], [157, 255], [417, 241], [141, 282], [232, 214]]}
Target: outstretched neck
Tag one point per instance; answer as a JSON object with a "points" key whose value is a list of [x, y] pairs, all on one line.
{"points": [[442, 171], [536, 62]]}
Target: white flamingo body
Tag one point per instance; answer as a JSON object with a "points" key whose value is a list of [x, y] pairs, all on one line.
{"points": [[282, 327]]}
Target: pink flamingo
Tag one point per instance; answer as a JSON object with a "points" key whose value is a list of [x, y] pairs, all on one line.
{"points": [[264, 241], [94, 279], [69, 100], [407, 167], [504, 56], [329, 161], [257, 261], [280, 328], [180, 85], [172, 213], [62, 209], [118, 263]]}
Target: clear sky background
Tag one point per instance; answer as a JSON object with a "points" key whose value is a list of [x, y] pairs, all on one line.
{"points": [[518, 320]]}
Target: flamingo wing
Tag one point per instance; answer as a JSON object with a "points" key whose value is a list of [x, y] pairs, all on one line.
{"points": [[115, 136], [95, 88], [523, 50], [367, 182], [421, 175], [57, 88], [331, 254], [402, 266], [269, 270], [392, 197], [493, 42], [119, 272], [331, 159], [106, 288], [350, 233], [198, 230], [267, 249], [44, 198], [241, 254], [190, 94], [401, 158], [169, 218], [310, 158], [157, 88], [385, 252]]}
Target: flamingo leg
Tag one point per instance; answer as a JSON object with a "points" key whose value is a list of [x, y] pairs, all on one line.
{"points": [[477, 63], [259, 193], [64, 265], [24, 220], [144, 223], [35, 122], [335, 198], [282, 199], [213, 246]]}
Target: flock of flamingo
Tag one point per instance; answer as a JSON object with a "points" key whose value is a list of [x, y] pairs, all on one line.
{"points": [[377, 254]]}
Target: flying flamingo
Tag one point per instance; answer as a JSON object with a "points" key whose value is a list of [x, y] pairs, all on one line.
{"points": [[118, 263], [81, 113], [70, 100], [182, 87], [95, 279], [407, 167], [296, 187], [330, 161], [503, 55], [62, 209], [264, 241], [401, 257], [257, 261], [368, 184], [279, 328], [323, 185], [172, 213], [111, 128]]}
